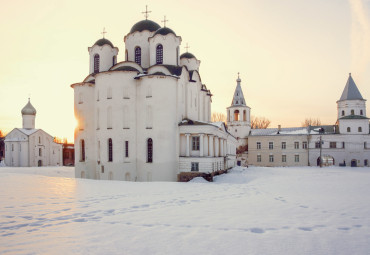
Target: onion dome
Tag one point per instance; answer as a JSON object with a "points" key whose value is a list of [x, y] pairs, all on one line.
{"points": [[187, 55], [145, 25], [103, 41], [164, 31], [28, 109]]}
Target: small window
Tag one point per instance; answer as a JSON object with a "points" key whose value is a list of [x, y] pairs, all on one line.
{"points": [[283, 145], [194, 166], [150, 150], [159, 54], [138, 55], [283, 158], [102, 169], [359, 129], [258, 145], [271, 145], [296, 158], [12, 147], [39, 139], [365, 145], [296, 145], [195, 143], [366, 162], [342, 113], [126, 149], [258, 158], [317, 145], [352, 112], [304, 145], [361, 112], [96, 63], [40, 152], [348, 129], [110, 150], [343, 145], [333, 145], [236, 114], [271, 158], [82, 150]]}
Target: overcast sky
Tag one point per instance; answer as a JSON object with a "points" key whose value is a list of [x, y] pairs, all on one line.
{"points": [[293, 56]]}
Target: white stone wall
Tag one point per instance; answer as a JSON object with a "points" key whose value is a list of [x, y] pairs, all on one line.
{"points": [[354, 125], [190, 63], [170, 44], [139, 39], [28, 121], [347, 106], [106, 54]]}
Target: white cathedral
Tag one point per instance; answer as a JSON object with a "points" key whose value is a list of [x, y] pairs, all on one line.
{"points": [[28, 146], [147, 118]]}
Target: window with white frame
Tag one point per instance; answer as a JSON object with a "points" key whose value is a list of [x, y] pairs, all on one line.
{"points": [[258, 158], [258, 145], [304, 145], [283, 145], [194, 166], [296, 145], [195, 143], [296, 158], [283, 158], [271, 158], [271, 145]]}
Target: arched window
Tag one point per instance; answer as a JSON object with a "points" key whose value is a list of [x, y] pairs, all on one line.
{"points": [[177, 55], [159, 56], [138, 55], [82, 150], [348, 129], [236, 115], [352, 112], [110, 150], [342, 113], [359, 129], [126, 55], [96, 63], [150, 150]]}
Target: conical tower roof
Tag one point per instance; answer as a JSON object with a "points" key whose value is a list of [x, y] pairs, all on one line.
{"points": [[351, 91], [238, 98], [28, 109]]}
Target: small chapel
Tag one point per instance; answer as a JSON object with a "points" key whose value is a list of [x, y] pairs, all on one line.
{"points": [[29, 146], [147, 117]]}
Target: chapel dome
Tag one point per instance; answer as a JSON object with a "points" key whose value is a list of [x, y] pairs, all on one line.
{"points": [[28, 109], [187, 55], [145, 25], [164, 31], [103, 41]]}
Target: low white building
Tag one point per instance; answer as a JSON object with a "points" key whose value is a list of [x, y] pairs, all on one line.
{"points": [[346, 143], [28, 146], [134, 116]]}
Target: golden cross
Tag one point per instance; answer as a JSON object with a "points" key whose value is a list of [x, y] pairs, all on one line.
{"points": [[187, 47], [146, 12], [164, 21], [104, 32]]}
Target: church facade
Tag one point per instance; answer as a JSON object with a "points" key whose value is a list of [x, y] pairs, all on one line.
{"points": [[146, 118], [346, 143], [28, 146]]}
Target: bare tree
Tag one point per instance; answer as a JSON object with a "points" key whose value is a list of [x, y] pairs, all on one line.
{"points": [[259, 122], [217, 116], [311, 122]]}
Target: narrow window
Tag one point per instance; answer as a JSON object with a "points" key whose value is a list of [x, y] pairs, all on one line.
{"points": [[342, 113], [236, 114], [194, 166], [271, 158], [304, 145], [244, 115], [361, 112], [125, 117], [258, 158], [109, 93], [343, 145], [195, 143], [271, 145], [150, 150], [296, 158], [97, 118], [114, 60], [109, 118], [126, 55], [40, 152], [39, 139], [365, 145], [110, 150], [97, 96], [359, 129], [296, 145], [177, 56], [159, 54], [126, 149], [352, 112], [138, 55], [283, 145], [258, 145], [283, 158], [365, 162], [82, 150], [96, 63], [317, 145], [12, 147], [80, 98], [348, 129]]}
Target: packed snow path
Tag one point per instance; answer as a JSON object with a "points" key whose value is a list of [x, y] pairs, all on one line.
{"points": [[248, 211]]}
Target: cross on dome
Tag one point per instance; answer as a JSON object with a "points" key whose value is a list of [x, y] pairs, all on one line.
{"points": [[164, 21], [187, 47], [146, 13], [104, 32]]}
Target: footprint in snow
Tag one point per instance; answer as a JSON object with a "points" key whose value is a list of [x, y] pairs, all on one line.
{"points": [[305, 228], [257, 230]]}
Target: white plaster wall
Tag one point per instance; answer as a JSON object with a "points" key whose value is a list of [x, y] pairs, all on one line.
{"points": [[139, 39], [348, 105], [106, 53], [190, 63], [354, 124], [28, 121], [170, 43]]}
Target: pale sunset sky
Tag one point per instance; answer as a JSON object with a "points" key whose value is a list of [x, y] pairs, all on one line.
{"points": [[293, 56]]}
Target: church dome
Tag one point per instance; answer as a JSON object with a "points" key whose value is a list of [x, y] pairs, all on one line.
{"points": [[29, 109], [145, 25], [187, 55], [103, 41], [164, 31]]}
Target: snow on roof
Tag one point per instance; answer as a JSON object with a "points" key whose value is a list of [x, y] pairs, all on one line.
{"points": [[283, 131]]}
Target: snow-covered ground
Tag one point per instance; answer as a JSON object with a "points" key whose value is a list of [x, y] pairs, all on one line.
{"points": [[248, 211]]}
